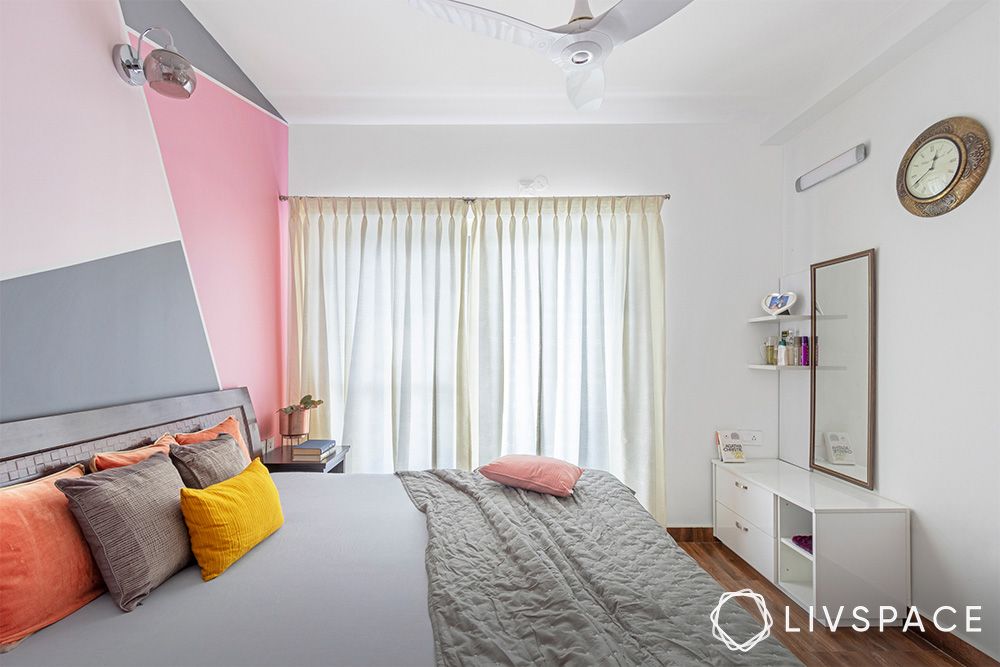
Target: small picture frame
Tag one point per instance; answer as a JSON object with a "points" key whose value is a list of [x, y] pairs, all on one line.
{"points": [[776, 303]]}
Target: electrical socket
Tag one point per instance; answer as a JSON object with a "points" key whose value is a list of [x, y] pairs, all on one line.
{"points": [[752, 438]]}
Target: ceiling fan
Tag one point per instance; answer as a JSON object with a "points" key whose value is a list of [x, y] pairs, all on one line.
{"points": [[578, 48]]}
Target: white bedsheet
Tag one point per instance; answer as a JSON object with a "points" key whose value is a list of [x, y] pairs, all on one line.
{"points": [[341, 583]]}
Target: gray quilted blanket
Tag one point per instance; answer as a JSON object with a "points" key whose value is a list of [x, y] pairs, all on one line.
{"points": [[522, 578]]}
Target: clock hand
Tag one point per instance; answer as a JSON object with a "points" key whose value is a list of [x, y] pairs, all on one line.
{"points": [[933, 161], [922, 177]]}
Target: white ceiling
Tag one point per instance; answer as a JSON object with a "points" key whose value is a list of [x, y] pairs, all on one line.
{"points": [[381, 61]]}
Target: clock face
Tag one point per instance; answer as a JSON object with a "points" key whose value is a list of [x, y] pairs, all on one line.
{"points": [[932, 168], [942, 167]]}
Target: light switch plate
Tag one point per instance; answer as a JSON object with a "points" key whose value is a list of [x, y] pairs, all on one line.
{"points": [[751, 438]]}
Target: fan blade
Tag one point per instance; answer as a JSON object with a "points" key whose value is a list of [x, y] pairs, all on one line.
{"points": [[631, 18], [585, 87], [489, 23]]}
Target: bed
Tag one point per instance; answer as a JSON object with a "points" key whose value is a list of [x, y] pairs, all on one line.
{"points": [[345, 580]]}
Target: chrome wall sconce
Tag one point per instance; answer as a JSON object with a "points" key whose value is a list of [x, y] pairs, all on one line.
{"points": [[166, 71]]}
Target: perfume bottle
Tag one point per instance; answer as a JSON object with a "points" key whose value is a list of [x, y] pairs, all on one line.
{"points": [[782, 351], [770, 350], [804, 351]]}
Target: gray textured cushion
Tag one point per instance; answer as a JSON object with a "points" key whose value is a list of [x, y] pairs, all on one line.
{"points": [[210, 462], [131, 517]]}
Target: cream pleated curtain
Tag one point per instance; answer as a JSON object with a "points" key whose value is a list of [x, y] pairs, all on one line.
{"points": [[444, 334]]}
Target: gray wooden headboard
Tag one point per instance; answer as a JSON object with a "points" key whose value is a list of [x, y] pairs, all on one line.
{"points": [[35, 447]]}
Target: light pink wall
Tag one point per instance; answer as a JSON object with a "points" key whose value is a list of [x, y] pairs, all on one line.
{"points": [[227, 162], [80, 175]]}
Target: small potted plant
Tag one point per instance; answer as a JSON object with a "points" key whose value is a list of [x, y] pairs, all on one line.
{"points": [[293, 420]]}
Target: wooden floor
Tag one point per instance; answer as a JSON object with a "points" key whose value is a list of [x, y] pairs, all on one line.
{"points": [[822, 647]]}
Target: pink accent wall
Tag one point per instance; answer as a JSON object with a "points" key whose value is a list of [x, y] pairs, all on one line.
{"points": [[227, 162]]}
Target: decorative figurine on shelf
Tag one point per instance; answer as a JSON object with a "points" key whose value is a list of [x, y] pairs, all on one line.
{"points": [[293, 420]]}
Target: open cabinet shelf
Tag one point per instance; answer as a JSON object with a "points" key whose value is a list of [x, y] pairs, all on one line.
{"points": [[796, 573], [800, 591], [787, 541]]}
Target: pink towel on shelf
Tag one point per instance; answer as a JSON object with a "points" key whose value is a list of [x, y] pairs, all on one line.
{"points": [[804, 542]]}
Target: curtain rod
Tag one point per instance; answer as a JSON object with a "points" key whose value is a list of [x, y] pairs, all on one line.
{"points": [[467, 200]]}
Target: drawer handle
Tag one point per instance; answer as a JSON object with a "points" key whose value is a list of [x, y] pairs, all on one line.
{"points": [[742, 486], [743, 528]]}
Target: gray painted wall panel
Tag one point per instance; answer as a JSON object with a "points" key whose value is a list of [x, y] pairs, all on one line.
{"points": [[115, 330], [195, 43]]}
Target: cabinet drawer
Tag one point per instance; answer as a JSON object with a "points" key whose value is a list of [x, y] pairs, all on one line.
{"points": [[749, 542], [746, 499]]}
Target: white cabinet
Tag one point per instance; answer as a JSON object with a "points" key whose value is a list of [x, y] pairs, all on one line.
{"points": [[748, 541], [861, 541], [754, 503]]}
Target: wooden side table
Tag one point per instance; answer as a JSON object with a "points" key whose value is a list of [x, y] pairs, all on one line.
{"points": [[279, 459]]}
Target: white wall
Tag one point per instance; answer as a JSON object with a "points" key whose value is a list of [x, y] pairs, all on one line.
{"points": [[81, 172], [938, 441], [722, 228]]}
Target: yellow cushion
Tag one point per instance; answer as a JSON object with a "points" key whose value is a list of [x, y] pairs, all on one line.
{"points": [[228, 519]]}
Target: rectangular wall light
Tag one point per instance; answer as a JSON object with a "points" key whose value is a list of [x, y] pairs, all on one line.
{"points": [[842, 162]]}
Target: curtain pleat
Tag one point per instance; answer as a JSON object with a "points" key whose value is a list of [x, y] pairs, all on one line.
{"points": [[444, 334]]}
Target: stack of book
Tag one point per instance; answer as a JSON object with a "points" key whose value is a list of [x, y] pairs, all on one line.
{"points": [[313, 450]]}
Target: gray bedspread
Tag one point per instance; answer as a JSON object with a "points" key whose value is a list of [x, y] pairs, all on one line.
{"points": [[522, 578]]}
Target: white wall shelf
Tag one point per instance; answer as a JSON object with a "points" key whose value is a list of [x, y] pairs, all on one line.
{"points": [[772, 367], [792, 318]]}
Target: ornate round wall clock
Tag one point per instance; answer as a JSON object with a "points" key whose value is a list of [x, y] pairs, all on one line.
{"points": [[943, 166]]}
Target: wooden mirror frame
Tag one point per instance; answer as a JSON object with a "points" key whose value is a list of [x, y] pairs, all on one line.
{"points": [[868, 483]]}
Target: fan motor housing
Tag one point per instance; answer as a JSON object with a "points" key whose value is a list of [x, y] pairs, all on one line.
{"points": [[588, 49]]}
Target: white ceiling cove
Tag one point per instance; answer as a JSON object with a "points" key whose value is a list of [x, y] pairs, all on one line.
{"points": [[384, 62]]}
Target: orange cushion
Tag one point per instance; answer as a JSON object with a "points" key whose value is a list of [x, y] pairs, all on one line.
{"points": [[106, 460], [228, 425], [534, 473], [46, 570]]}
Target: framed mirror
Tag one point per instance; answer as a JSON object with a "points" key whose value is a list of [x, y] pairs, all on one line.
{"points": [[842, 367]]}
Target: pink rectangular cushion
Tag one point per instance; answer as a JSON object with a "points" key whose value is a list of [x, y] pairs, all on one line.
{"points": [[534, 473], [228, 425], [107, 460]]}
